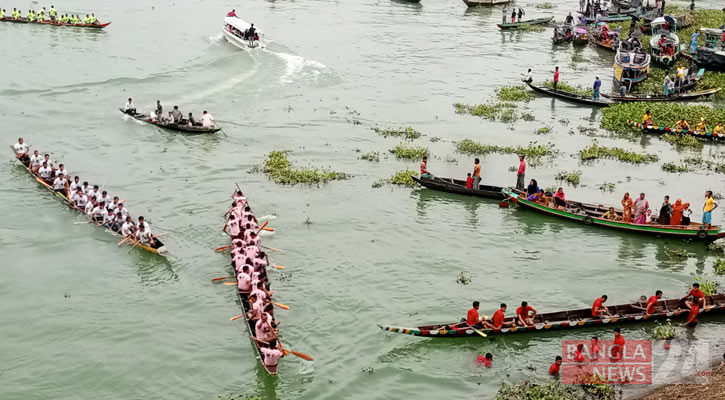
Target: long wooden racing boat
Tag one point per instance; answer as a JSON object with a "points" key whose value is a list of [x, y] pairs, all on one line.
{"points": [[478, 3], [570, 319], [172, 127], [24, 20], [661, 97], [661, 130], [451, 185], [591, 215], [573, 97], [160, 248], [516, 25]]}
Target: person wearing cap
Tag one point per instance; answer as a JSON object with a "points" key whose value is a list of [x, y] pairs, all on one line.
{"points": [[59, 184], [597, 85]]}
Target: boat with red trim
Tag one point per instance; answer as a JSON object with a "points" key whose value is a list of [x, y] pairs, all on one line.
{"points": [[661, 130]]}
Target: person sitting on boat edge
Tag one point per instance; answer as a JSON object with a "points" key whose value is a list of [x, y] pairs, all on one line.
{"points": [[597, 86], [525, 314], [498, 319], [21, 150], [424, 168], [697, 295], [599, 308], [129, 108], [718, 130], [527, 76], [611, 215], [683, 125], [647, 118], [207, 121], [472, 317], [559, 198], [707, 210], [191, 121]]}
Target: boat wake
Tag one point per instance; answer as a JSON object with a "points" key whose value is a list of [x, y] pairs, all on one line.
{"points": [[216, 39], [299, 67]]}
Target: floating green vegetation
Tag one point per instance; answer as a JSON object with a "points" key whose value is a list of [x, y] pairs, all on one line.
{"points": [[614, 117], [406, 133], [403, 178], [675, 168], [663, 331], [568, 88], [409, 153], [380, 183], [501, 111], [708, 287], [531, 28], [515, 93], [682, 140], [718, 247], [555, 390], [678, 253], [372, 156], [280, 170], [527, 116], [543, 130], [575, 58], [587, 130], [607, 187], [595, 151], [572, 177], [545, 5], [719, 266], [463, 279], [469, 147]]}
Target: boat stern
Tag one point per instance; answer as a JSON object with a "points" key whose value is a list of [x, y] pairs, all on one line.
{"points": [[405, 331]]}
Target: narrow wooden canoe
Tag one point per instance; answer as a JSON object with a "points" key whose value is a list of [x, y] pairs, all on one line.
{"points": [[515, 25], [246, 308], [55, 23], [570, 319], [661, 97], [160, 247], [591, 215], [459, 187], [478, 3], [661, 130], [573, 97], [173, 127]]}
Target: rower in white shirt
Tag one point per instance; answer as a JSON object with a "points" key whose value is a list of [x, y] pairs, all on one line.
{"points": [[117, 223], [90, 206], [36, 161], [244, 280], [207, 121], [95, 193], [59, 185], [79, 198], [109, 219], [120, 208], [86, 189], [128, 228], [142, 221], [75, 184], [61, 170], [129, 108], [47, 159], [99, 212], [112, 206], [144, 236], [105, 198], [45, 172], [21, 150]]}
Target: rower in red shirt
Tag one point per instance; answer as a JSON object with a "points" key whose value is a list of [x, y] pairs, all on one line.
{"points": [[498, 319], [618, 347], [692, 316], [472, 318], [649, 309], [554, 368], [599, 308], [697, 294], [525, 314]]}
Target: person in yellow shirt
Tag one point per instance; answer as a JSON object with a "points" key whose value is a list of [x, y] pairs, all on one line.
{"points": [[647, 119], [719, 130], [683, 125], [701, 127], [707, 210]]}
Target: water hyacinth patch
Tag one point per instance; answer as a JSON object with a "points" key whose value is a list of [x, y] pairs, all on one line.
{"points": [[692, 164], [494, 111], [614, 117], [409, 153], [719, 266], [406, 133], [527, 116], [545, 5], [543, 130], [595, 151], [675, 168], [403, 178], [514, 93], [280, 170], [373, 156], [470, 147], [572, 177], [682, 140]]}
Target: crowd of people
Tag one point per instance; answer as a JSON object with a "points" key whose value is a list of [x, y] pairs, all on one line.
{"points": [[173, 117], [514, 14], [40, 17], [249, 263], [90, 200]]}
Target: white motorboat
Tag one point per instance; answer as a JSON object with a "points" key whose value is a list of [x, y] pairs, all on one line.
{"points": [[236, 30]]}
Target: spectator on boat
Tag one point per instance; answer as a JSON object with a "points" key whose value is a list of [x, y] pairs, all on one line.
{"points": [[556, 365], [476, 173], [129, 108], [665, 212], [647, 118], [641, 210], [191, 121], [533, 188], [207, 121], [469, 181], [718, 130], [505, 13], [424, 168], [611, 215], [707, 210], [701, 126], [232, 13], [597, 85], [667, 86], [525, 314], [251, 35], [682, 124], [527, 76], [169, 119], [544, 198], [569, 20], [559, 199], [677, 209], [521, 173], [513, 15], [535, 197], [693, 42], [598, 307], [177, 115], [556, 77]]}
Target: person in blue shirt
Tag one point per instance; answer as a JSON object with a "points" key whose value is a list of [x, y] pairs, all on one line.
{"points": [[597, 85]]}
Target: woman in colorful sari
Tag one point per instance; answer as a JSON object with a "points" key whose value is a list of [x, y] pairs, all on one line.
{"points": [[627, 205], [641, 209], [677, 210]]}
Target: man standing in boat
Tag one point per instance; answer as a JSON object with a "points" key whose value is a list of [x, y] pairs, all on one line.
{"points": [[177, 114], [556, 77], [505, 13], [520, 177], [207, 121], [476, 173], [250, 35], [159, 111], [707, 210], [597, 86]]}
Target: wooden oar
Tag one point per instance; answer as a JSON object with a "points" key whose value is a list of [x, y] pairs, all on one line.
{"points": [[263, 225], [230, 283], [279, 266], [220, 249], [268, 229], [270, 248], [477, 331], [282, 306], [124, 239], [236, 317], [221, 278], [298, 354]]}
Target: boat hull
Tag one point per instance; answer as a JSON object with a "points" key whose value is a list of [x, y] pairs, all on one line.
{"points": [[516, 25], [196, 130], [662, 98], [55, 23], [479, 3], [571, 319], [572, 97], [459, 187]]}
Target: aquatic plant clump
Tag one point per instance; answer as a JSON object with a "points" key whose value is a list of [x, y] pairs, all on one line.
{"points": [[515, 93], [663, 331], [527, 116], [543, 130], [555, 390], [692, 164], [403, 178], [708, 287], [501, 111], [572, 177], [409, 153], [373, 156], [675, 168], [569, 88], [719, 266], [408, 133], [470, 147], [682, 140], [614, 117], [545, 5], [280, 170], [595, 151], [678, 253]]}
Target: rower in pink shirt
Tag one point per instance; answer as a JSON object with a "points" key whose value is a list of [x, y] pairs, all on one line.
{"points": [[244, 280], [232, 226], [261, 292], [271, 354], [251, 252]]}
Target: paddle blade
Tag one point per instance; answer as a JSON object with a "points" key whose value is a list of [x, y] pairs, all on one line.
{"points": [[236, 317], [220, 249], [279, 266], [230, 283], [282, 306], [222, 278], [263, 226], [268, 229], [301, 355]]}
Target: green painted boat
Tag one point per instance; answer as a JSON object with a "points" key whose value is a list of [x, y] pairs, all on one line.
{"points": [[516, 25], [591, 215]]}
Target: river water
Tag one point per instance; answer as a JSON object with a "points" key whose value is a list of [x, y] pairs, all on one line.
{"points": [[82, 318]]}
